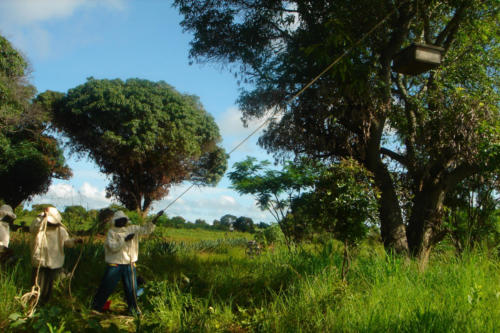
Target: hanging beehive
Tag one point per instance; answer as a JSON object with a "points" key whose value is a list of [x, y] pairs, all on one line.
{"points": [[417, 58]]}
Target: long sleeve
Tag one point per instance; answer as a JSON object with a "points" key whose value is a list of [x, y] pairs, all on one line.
{"points": [[35, 225], [67, 241], [114, 241], [143, 230], [4, 234]]}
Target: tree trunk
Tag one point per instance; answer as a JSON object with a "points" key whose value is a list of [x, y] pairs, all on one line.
{"points": [[393, 231], [392, 227], [425, 224]]}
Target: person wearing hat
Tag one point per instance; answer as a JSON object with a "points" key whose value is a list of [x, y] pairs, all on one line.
{"points": [[121, 251], [49, 238], [7, 216]]}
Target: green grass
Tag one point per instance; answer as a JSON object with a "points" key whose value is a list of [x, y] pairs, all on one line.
{"points": [[199, 280]]}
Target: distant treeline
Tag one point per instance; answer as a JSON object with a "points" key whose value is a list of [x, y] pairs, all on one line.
{"points": [[79, 219]]}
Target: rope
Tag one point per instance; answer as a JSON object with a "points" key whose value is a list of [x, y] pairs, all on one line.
{"points": [[296, 95], [73, 271], [32, 297]]}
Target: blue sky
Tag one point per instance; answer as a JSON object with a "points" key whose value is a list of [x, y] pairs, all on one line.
{"points": [[67, 41]]}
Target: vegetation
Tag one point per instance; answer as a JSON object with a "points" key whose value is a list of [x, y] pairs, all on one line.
{"points": [[418, 135], [392, 164], [145, 135], [29, 157], [199, 280]]}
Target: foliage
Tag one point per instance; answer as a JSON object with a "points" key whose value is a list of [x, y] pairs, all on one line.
{"points": [[144, 135], [270, 235], [420, 135], [15, 91], [77, 218], [225, 223], [342, 203], [273, 189], [210, 285], [29, 158], [473, 213], [244, 224]]}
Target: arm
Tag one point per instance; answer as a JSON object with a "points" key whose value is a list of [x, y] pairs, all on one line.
{"points": [[4, 234], [67, 241], [142, 230], [35, 225], [114, 242]]}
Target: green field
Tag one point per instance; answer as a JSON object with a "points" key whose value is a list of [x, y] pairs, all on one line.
{"points": [[198, 280]]}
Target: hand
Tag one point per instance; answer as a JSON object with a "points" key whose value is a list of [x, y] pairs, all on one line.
{"points": [[78, 241], [129, 237], [155, 219]]}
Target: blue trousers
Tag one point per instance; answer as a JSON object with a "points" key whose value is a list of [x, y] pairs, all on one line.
{"points": [[112, 276]]}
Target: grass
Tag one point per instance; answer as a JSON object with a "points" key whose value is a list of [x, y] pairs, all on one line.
{"points": [[199, 280]]}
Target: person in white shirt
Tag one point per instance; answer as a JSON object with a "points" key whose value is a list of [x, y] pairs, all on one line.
{"points": [[7, 216], [121, 251], [49, 238]]}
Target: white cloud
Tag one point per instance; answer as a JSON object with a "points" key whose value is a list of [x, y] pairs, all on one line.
{"points": [[207, 203], [227, 200], [232, 130], [62, 191], [62, 195], [28, 12], [230, 123], [22, 21]]}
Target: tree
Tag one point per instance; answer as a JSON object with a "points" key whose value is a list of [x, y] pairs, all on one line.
{"points": [[343, 204], [75, 217], [29, 158], [227, 222], [273, 189], [473, 212], [263, 225], [145, 135], [418, 135], [244, 224], [177, 222], [201, 223]]}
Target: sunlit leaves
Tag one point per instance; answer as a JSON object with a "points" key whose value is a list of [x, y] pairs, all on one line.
{"points": [[145, 135]]}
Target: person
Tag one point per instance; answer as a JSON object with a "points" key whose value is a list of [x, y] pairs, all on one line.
{"points": [[121, 251], [7, 217], [49, 238]]}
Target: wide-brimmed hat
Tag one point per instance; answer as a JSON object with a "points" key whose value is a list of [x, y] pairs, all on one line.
{"points": [[53, 215], [120, 215], [6, 210]]}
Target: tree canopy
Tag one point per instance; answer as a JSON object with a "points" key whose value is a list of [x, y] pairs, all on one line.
{"points": [[418, 135], [144, 135], [29, 157]]}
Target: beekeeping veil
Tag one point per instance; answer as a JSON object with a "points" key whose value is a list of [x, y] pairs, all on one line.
{"points": [[120, 219], [6, 210]]}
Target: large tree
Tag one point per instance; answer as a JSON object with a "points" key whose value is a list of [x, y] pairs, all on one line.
{"points": [[144, 135], [29, 157], [418, 135]]}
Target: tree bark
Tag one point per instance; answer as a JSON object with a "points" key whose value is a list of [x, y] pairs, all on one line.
{"points": [[392, 227], [425, 223], [393, 230]]}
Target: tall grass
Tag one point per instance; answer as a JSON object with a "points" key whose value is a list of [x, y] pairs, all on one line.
{"points": [[211, 285]]}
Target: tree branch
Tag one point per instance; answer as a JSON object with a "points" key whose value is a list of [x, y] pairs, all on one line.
{"points": [[459, 173], [395, 156], [448, 34]]}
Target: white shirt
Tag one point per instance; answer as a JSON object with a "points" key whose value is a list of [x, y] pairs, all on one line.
{"points": [[47, 248], [4, 234], [119, 251]]}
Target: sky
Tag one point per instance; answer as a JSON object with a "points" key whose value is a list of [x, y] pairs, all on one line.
{"points": [[67, 41]]}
